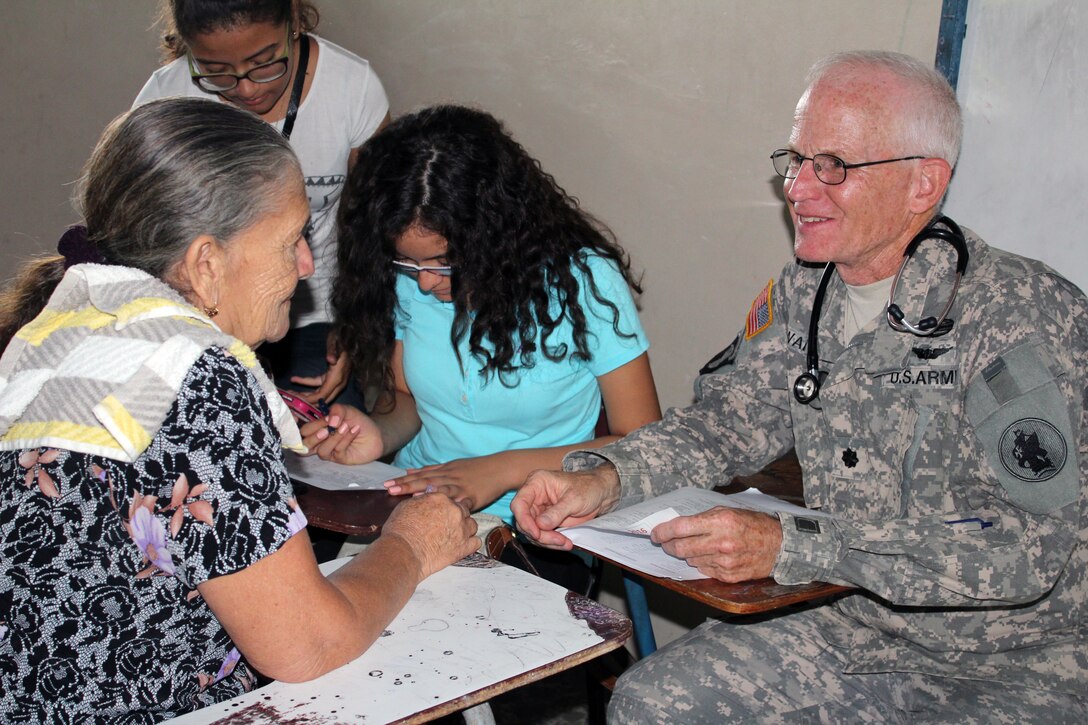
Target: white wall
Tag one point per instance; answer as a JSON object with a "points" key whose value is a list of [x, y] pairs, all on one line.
{"points": [[1023, 172], [69, 66], [659, 115]]}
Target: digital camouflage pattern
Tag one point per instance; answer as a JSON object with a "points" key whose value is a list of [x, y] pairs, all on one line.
{"points": [[955, 466]]}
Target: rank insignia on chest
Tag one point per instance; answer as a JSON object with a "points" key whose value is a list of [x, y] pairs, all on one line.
{"points": [[760, 314]]}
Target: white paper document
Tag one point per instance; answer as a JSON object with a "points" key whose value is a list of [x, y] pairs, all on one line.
{"points": [[624, 535], [338, 477]]}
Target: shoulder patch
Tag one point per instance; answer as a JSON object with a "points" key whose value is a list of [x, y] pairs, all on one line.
{"points": [[1022, 421], [1033, 450], [726, 357], [760, 314]]}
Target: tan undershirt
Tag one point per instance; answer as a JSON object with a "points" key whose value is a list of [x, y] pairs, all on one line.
{"points": [[863, 303]]}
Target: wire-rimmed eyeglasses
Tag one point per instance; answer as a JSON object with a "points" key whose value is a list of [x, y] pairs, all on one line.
{"points": [[263, 73], [415, 269], [828, 168]]}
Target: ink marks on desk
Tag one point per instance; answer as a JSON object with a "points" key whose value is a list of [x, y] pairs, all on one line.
{"points": [[466, 628], [477, 561], [512, 634], [268, 714], [430, 625]]}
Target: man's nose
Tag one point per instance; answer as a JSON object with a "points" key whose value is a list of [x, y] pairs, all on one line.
{"points": [[805, 184]]}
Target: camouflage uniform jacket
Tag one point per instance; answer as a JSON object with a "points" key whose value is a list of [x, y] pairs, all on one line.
{"points": [[955, 465]]}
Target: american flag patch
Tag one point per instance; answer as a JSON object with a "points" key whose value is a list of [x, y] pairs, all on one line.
{"points": [[759, 316]]}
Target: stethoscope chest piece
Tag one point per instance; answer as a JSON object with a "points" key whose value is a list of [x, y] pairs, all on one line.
{"points": [[805, 388]]}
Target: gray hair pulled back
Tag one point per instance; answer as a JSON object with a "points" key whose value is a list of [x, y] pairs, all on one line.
{"points": [[175, 169]]}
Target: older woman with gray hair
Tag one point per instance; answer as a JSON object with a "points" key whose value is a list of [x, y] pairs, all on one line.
{"points": [[153, 558]]}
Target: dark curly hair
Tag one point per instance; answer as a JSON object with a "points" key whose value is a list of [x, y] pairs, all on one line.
{"points": [[185, 19], [514, 239]]}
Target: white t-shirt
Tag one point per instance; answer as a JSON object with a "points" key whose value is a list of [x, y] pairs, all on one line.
{"points": [[344, 107]]}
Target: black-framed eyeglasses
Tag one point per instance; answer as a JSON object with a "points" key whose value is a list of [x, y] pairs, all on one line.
{"points": [[263, 73], [828, 168], [414, 269]]}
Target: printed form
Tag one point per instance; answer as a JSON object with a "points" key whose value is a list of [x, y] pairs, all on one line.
{"points": [[338, 477], [624, 535]]}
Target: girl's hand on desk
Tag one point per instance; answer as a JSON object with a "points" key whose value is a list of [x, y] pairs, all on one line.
{"points": [[476, 481], [347, 435]]}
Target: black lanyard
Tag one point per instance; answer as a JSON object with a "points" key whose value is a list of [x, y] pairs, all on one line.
{"points": [[296, 89]]}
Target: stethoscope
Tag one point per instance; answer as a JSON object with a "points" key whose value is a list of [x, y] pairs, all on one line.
{"points": [[806, 387]]}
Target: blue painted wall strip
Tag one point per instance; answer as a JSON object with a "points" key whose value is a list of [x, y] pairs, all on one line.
{"points": [[950, 38]]}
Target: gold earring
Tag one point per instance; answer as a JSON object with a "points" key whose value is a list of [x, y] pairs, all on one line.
{"points": [[211, 311]]}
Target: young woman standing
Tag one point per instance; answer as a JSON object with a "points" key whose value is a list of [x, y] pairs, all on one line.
{"points": [[261, 56]]}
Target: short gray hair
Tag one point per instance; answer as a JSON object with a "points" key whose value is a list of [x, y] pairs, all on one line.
{"points": [[178, 168], [935, 124]]}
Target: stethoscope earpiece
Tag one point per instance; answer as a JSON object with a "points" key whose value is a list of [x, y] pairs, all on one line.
{"points": [[930, 326]]}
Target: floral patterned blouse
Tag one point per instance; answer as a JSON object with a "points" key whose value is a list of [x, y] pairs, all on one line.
{"points": [[100, 619]]}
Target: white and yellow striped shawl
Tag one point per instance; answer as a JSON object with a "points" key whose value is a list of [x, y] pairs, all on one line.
{"points": [[99, 369]]}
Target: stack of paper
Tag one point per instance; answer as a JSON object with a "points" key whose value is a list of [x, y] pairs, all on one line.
{"points": [[624, 535]]}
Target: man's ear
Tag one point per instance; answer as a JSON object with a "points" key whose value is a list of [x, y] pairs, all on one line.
{"points": [[930, 185], [200, 273]]}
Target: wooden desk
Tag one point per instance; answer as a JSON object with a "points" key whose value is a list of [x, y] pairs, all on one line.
{"points": [[357, 513], [362, 513], [470, 632], [750, 597]]}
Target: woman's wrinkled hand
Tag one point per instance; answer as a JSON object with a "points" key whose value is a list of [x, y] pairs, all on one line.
{"points": [[438, 531]]}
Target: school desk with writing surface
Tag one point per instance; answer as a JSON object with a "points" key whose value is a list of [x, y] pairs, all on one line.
{"points": [[470, 632], [781, 479], [357, 513]]}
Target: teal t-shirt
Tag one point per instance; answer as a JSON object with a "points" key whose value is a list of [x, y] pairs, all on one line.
{"points": [[465, 415]]}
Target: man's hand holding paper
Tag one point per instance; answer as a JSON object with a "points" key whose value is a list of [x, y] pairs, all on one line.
{"points": [[727, 544]]}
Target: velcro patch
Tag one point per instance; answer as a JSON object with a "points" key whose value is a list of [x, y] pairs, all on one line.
{"points": [[760, 315], [1022, 420], [726, 357]]}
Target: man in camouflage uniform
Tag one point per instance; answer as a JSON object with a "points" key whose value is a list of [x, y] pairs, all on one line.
{"points": [[953, 464]]}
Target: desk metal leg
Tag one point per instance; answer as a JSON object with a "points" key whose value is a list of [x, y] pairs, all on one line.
{"points": [[479, 715], [639, 610]]}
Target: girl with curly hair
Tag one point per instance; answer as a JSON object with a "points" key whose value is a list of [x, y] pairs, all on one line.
{"points": [[489, 311]]}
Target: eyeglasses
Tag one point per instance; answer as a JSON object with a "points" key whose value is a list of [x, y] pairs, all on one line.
{"points": [[829, 169], [415, 269], [263, 73]]}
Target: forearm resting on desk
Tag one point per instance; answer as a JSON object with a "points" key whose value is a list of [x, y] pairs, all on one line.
{"points": [[293, 624]]}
